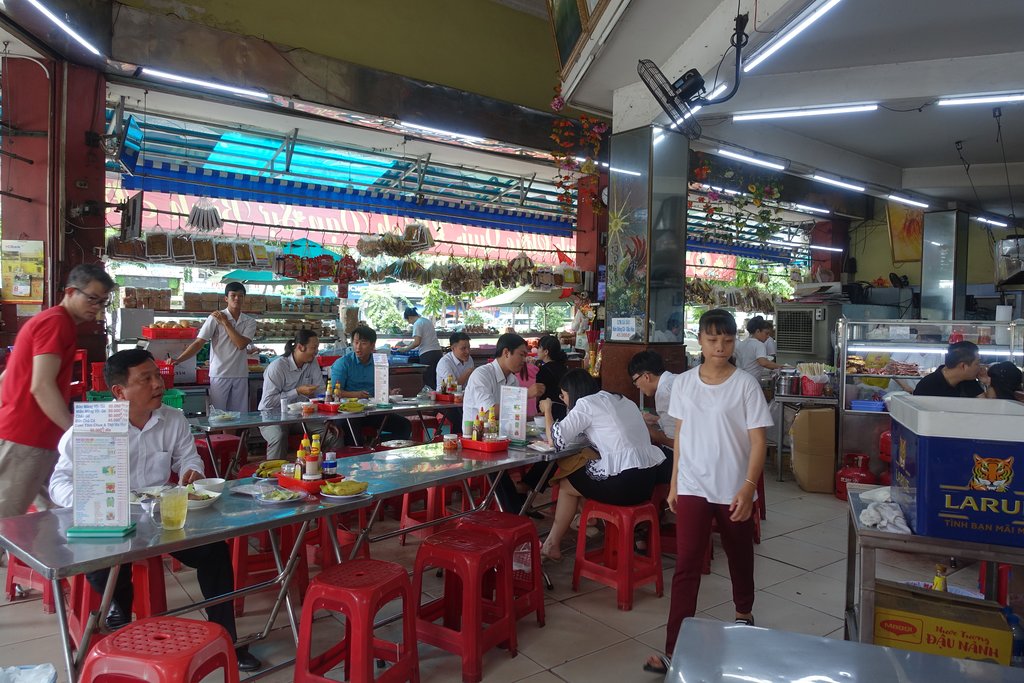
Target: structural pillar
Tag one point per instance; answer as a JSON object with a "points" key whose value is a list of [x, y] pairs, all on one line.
{"points": [[646, 252]]}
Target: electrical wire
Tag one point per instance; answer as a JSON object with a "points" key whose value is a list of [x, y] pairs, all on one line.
{"points": [[997, 113], [959, 144]]}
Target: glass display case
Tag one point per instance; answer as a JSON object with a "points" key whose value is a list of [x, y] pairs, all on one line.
{"points": [[877, 357]]}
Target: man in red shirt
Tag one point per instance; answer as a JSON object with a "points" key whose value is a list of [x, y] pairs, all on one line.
{"points": [[34, 389]]}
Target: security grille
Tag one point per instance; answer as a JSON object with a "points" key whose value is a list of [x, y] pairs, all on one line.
{"points": [[795, 331]]}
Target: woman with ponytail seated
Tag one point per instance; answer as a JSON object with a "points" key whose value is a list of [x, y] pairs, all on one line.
{"points": [[626, 469], [295, 376]]}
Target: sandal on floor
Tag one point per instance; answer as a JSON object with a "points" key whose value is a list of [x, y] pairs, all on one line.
{"points": [[661, 668]]}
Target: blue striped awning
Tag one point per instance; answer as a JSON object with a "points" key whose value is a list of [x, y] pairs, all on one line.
{"points": [[162, 176]]}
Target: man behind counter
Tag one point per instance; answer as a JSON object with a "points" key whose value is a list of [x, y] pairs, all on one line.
{"points": [[958, 376]]}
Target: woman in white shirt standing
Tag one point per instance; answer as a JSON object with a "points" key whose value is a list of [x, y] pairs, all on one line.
{"points": [[424, 338], [627, 470]]}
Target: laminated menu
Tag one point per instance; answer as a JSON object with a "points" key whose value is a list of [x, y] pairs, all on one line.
{"points": [[381, 375], [512, 422], [100, 470]]}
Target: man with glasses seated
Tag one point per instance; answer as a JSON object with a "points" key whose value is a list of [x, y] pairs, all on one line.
{"points": [[36, 387]]}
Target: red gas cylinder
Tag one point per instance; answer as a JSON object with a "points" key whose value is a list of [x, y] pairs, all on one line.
{"points": [[885, 446], [854, 472]]}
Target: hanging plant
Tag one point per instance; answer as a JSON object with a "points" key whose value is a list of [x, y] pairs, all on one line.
{"points": [[576, 146]]}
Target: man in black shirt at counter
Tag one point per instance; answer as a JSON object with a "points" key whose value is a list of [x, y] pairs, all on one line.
{"points": [[958, 377]]}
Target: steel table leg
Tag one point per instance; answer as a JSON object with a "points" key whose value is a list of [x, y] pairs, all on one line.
{"points": [[65, 635], [213, 457], [233, 466], [780, 440], [288, 569]]}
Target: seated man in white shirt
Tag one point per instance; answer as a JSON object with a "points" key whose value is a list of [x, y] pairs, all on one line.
{"points": [[159, 443], [483, 391], [647, 371], [456, 365]]}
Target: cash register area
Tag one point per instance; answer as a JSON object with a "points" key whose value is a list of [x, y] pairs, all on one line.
{"points": [[800, 574]]}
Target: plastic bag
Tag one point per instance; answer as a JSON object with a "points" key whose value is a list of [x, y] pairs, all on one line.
{"points": [[39, 673]]}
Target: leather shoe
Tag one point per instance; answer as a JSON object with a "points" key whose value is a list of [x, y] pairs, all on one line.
{"points": [[116, 618], [246, 660]]}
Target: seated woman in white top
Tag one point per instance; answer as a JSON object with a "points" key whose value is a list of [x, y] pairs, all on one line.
{"points": [[627, 470]]}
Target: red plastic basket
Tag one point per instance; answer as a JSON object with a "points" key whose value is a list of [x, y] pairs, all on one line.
{"points": [[307, 486], [808, 387], [202, 375], [169, 333], [446, 398], [98, 382], [167, 372], [485, 446]]}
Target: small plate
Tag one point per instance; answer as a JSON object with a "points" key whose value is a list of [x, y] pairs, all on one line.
{"points": [[339, 499], [201, 504], [405, 400], [155, 492], [225, 417], [294, 497], [541, 446], [270, 478]]}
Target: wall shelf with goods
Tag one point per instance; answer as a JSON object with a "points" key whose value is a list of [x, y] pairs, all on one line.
{"points": [[878, 357]]}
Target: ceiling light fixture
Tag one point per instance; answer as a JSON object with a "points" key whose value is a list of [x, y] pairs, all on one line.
{"points": [[990, 221], [821, 248], [164, 75], [438, 131], [905, 200], [752, 160], [982, 99], [838, 183], [803, 20], [811, 209], [64, 27], [805, 111]]}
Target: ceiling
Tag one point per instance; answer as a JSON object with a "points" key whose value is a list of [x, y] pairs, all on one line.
{"points": [[902, 55]]}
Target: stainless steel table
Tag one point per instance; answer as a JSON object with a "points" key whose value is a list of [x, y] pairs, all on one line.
{"points": [[266, 418], [711, 651], [860, 616], [794, 401], [40, 539]]}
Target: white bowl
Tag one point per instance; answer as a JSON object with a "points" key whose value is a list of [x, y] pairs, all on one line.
{"points": [[211, 485]]}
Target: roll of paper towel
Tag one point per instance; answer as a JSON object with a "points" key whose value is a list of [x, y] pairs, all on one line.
{"points": [[1003, 314]]}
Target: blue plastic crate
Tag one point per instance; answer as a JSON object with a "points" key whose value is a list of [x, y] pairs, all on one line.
{"points": [[873, 406]]}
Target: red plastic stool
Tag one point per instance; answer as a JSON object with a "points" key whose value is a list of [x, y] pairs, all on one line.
{"points": [[224, 448], [150, 596], [80, 381], [250, 569], [162, 649], [467, 557], [1003, 572], [433, 509], [615, 564], [359, 589], [420, 425], [515, 531], [21, 578]]}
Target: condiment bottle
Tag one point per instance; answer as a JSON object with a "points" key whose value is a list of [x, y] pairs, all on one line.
{"points": [[300, 463], [330, 465], [939, 583], [492, 422]]}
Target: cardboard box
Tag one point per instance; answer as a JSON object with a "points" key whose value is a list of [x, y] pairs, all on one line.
{"points": [[814, 449], [940, 623]]}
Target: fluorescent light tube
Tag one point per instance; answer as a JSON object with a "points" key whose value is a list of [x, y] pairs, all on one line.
{"points": [[981, 99], [812, 209], [64, 27], [989, 221], [696, 108], [821, 248], [787, 35], [752, 160], [838, 183], [156, 73], [811, 111], [438, 131], [908, 202]]}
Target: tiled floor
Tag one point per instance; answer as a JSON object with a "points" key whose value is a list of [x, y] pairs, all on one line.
{"points": [[800, 572]]}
